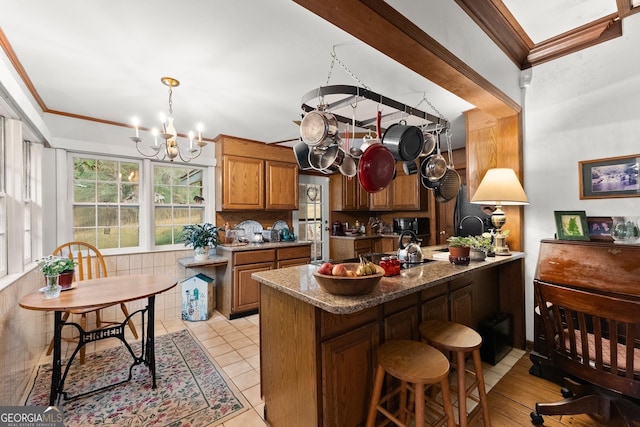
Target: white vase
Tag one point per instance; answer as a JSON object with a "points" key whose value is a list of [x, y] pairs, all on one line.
{"points": [[202, 254]]}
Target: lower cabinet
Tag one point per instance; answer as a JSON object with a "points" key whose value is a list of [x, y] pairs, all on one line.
{"points": [[246, 291], [351, 355], [237, 294]]}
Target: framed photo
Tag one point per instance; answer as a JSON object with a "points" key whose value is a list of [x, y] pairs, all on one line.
{"points": [[572, 225], [611, 177], [600, 228]]}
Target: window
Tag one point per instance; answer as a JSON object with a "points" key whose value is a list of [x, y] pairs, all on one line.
{"points": [[27, 199], [178, 201], [106, 209], [3, 202]]}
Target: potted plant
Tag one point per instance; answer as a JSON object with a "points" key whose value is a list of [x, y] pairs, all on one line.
{"points": [[459, 248], [480, 246], [201, 237], [52, 266]]}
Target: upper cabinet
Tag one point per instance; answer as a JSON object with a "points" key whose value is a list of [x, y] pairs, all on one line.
{"points": [[346, 194], [405, 193], [252, 175]]}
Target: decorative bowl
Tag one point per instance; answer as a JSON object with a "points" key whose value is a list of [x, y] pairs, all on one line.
{"points": [[349, 285]]}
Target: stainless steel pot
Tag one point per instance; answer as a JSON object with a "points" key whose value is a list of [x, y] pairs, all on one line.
{"points": [[332, 158], [319, 128], [405, 142]]}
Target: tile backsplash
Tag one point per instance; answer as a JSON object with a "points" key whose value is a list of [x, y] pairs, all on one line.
{"points": [[24, 334]]}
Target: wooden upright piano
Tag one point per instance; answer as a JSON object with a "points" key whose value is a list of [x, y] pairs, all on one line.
{"points": [[601, 266]]}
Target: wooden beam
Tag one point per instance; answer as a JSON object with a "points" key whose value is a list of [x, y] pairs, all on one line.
{"points": [[385, 29]]}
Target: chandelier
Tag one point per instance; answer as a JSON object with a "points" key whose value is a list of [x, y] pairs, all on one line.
{"points": [[170, 148]]}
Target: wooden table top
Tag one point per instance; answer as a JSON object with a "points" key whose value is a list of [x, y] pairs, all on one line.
{"points": [[101, 292]]}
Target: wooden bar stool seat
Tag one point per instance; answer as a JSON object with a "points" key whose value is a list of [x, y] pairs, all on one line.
{"points": [[461, 340], [416, 365]]}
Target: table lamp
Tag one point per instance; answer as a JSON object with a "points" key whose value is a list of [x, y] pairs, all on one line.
{"points": [[500, 186]]}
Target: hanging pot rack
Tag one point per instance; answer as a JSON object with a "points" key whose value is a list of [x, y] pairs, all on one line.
{"points": [[343, 96]]}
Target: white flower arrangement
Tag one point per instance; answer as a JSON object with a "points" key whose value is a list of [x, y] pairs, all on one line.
{"points": [[54, 265]]}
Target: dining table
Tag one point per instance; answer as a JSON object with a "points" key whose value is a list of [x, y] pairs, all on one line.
{"points": [[100, 293]]}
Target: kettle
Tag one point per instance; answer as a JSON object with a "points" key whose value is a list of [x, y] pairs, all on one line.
{"points": [[412, 251]]}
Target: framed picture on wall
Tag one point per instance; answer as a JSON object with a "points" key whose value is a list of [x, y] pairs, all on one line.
{"points": [[610, 177], [600, 228], [572, 225]]}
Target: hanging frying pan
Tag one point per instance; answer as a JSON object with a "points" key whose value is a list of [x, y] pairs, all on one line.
{"points": [[427, 183], [376, 168], [448, 186], [405, 142], [301, 151]]}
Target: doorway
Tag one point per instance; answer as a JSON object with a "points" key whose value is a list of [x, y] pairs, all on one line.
{"points": [[312, 217]]}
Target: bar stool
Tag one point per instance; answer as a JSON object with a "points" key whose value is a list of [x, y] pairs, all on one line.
{"points": [[415, 364], [460, 339]]}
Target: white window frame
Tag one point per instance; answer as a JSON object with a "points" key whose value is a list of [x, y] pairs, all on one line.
{"points": [[206, 203]]}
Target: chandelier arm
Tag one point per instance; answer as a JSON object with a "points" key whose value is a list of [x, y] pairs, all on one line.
{"points": [[189, 158]]}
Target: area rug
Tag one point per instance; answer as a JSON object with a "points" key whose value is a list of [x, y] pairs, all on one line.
{"points": [[191, 391]]}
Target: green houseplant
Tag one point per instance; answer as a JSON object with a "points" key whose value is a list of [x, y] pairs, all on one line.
{"points": [[459, 248], [480, 246], [52, 266], [201, 237]]}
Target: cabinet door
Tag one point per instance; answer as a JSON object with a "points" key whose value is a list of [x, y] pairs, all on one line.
{"points": [[246, 291], [348, 366], [406, 192], [461, 301], [382, 200], [281, 185], [362, 199], [436, 308], [243, 183], [388, 244], [361, 247], [402, 325]]}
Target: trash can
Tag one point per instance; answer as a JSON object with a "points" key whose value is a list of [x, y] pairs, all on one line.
{"points": [[198, 298], [497, 337]]}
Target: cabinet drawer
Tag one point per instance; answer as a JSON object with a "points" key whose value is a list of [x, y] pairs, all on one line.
{"points": [[362, 245], [252, 257], [294, 252], [334, 324], [434, 291]]}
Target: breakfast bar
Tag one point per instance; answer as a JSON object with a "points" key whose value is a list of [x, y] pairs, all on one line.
{"points": [[318, 349]]}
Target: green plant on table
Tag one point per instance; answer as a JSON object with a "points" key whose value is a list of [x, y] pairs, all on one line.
{"points": [[461, 241], [481, 242], [200, 235], [52, 265]]}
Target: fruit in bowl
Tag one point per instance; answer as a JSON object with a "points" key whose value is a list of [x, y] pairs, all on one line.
{"points": [[349, 283]]}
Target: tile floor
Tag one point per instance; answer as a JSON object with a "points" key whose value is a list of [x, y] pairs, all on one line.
{"points": [[234, 345]]}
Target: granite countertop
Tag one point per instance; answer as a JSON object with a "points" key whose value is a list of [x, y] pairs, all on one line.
{"points": [[300, 283], [212, 261], [258, 246]]}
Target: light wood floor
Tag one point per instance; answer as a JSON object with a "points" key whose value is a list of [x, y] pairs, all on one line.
{"points": [[515, 395]]}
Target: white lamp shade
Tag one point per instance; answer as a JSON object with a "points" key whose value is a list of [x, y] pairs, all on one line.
{"points": [[500, 186]]}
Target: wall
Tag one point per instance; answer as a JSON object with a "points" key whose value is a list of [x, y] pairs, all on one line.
{"points": [[25, 334], [580, 107]]}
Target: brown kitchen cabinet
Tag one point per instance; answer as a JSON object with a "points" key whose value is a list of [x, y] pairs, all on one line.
{"points": [[405, 193], [254, 176], [344, 248], [281, 185], [351, 355], [237, 294], [346, 194]]}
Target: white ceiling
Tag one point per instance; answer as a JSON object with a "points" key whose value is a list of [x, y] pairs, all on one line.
{"points": [[243, 64]]}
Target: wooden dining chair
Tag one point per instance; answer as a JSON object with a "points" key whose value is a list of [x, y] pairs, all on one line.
{"points": [[594, 338], [90, 264]]}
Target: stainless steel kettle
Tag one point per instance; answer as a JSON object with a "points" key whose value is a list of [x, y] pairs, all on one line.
{"points": [[411, 252]]}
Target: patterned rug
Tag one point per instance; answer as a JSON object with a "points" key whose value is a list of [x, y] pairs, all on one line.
{"points": [[191, 391]]}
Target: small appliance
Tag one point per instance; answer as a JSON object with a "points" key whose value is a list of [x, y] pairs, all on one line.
{"points": [[419, 226]]}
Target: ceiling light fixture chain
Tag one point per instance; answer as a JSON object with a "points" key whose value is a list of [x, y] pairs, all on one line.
{"points": [[170, 148]]}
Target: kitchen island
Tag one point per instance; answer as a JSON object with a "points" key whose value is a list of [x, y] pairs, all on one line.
{"points": [[317, 350]]}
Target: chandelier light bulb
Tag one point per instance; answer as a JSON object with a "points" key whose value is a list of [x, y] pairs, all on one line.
{"points": [[154, 132], [136, 123]]}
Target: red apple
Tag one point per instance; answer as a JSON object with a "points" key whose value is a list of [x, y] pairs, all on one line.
{"points": [[325, 268], [339, 270]]}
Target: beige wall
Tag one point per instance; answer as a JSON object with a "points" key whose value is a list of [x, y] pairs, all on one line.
{"points": [[24, 334]]}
